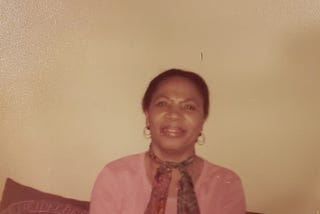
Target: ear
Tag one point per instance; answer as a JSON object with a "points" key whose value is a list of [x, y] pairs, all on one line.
{"points": [[146, 113], [203, 122]]}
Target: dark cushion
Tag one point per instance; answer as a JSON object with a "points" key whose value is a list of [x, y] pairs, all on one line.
{"points": [[21, 199]]}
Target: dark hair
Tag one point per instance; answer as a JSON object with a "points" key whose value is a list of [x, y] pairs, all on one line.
{"points": [[196, 79]]}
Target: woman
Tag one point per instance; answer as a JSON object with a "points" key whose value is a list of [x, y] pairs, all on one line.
{"points": [[170, 178]]}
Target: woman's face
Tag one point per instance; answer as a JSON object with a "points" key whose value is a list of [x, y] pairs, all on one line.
{"points": [[175, 117]]}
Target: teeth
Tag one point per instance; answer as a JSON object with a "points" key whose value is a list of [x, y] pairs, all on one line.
{"points": [[172, 131]]}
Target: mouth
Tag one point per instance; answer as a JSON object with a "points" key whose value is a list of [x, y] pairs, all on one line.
{"points": [[172, 131]]}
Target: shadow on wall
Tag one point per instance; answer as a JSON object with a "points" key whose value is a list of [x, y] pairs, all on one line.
{"points": [[301, 65], [302, 51]]}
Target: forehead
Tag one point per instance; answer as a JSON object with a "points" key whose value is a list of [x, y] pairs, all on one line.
{"points": [[178, 85]]}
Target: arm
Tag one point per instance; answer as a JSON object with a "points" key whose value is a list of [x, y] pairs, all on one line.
{"points": [[233, 198], [106, 196]]}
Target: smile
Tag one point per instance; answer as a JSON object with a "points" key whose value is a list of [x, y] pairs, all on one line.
{"points": [[172, 131]]}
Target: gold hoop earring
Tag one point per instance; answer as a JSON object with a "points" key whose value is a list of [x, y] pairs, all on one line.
{"points": [[201, 139], [147, 132]]}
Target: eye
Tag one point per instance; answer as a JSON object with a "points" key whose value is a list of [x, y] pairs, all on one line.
{"points": [[190, 107], [161, 103]]}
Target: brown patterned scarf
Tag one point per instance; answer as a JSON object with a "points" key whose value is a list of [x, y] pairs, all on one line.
{"points": [[187, 200]]}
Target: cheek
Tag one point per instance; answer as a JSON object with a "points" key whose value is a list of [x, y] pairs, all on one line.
{"points": [[197, 126], [153, 120]]}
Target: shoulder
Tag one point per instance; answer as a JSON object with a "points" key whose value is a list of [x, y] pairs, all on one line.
{"points": [[225, 189], [131, 163], [219, 173]]}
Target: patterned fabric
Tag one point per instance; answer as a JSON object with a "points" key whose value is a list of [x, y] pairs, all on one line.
{"points": [[187, 200]]}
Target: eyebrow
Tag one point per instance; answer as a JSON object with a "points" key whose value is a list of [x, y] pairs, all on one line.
{"points": [[186, 100]]}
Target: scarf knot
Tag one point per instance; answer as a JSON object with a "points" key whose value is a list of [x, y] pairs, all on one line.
{"points": [[187, 200]]}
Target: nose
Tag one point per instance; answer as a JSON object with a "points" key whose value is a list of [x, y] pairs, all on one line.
{"points": [[173, 113]]}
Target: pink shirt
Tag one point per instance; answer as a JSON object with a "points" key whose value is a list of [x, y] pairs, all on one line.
{"points": [[123, 187]]}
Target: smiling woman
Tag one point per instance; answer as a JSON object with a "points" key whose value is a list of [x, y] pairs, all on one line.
{"points": [[170, 178], [175, 118]]}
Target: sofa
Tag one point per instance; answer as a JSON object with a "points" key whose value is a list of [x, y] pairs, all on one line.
{"points": [[22, 199]]}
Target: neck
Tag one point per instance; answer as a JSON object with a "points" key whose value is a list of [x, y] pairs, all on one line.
{"points": [[171, 155], [170, 164]]}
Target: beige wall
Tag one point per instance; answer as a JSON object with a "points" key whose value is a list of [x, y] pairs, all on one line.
{"points": [[72, 74]]}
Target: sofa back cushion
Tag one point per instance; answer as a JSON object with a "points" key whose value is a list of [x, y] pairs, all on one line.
{"points": [[21, 199]]}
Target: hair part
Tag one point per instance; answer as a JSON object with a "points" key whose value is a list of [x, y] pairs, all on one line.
{"points": [[196, 79]]}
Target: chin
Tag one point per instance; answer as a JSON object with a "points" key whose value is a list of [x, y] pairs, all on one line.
{"points": [[172, 146]]}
